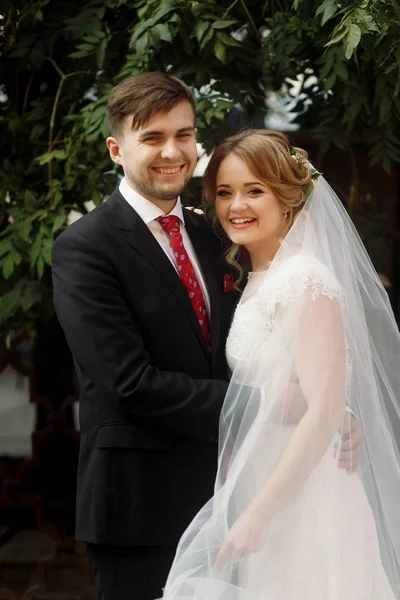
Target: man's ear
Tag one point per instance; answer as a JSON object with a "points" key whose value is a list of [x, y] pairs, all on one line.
{"points": [[114, 150]]}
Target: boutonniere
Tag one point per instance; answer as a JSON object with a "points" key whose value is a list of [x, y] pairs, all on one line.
{"points": [[229, 281]]}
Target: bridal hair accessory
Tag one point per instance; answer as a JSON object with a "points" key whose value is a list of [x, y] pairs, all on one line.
{"points": [[299, 158]]}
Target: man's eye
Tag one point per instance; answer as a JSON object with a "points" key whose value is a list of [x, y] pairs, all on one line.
{"points": [[151, 139], [185, 135]]}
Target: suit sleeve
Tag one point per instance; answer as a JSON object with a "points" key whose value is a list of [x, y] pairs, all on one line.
{"points": [[106, 343]]}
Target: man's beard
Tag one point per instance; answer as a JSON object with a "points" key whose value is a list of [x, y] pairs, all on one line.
{"points": [[150, 189]]}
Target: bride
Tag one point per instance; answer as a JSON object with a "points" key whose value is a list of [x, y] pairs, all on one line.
{"points": [[312, 336]]}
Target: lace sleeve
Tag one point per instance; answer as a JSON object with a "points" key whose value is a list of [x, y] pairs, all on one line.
{"points": [[303, 285], [292, 279]]}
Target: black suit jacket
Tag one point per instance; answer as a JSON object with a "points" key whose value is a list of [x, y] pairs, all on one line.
{"points": [[150, 392]]}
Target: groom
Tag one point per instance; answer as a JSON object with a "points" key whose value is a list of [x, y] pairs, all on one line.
{"points": [[138, 289]]}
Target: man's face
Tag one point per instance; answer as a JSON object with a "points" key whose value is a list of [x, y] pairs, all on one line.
{"points": [[159, 158]]}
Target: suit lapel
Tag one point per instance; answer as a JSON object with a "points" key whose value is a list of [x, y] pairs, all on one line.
{"points": [[139, 237], [207, 260]]}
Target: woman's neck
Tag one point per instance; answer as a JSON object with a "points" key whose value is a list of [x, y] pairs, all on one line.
{"points": [[262, 256]]}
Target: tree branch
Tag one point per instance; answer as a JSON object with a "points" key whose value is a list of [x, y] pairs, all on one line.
{"points": [[228, 10], [28, 88], [258, 35], [55, 65], [63, 77]]}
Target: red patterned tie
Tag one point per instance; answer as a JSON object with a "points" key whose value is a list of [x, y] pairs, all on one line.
{"points": [[186, 272]]}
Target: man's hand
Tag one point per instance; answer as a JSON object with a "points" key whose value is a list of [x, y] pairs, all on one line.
{"points": [[351, 444]]}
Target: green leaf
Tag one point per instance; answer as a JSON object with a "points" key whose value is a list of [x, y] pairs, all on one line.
{"points": [[37, 131], [341, 70], [328, 9], [384, 109], [327, 64], [220, 51], [35, 250], [329, 12], [16, 256], [337, 37], [330, 82], [200, 29], [223, 24], [24, 229], [79, 54], [396, 7], [40, 267], [85, 47], [322, 7], [9, 304], [101, 52], [142, 44], [352, 40], [29, 297], [5, 246], [207, 38], [44, 159], [227, 39], [46, 251], [8, 267], [164, 32], [58, 222], [92, 39], [29, 199]]}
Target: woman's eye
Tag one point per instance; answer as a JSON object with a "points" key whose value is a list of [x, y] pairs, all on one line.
{"points": [[255, 191], [223, 193]]}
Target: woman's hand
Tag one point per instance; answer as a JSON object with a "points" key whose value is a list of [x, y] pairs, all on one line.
{"points": [[247, 536]]}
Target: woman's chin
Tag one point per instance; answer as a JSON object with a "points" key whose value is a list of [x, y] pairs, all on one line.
{"points": [[243, 238]]}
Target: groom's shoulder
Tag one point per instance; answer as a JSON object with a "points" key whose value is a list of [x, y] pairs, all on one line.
{"points": [[93, 224]]}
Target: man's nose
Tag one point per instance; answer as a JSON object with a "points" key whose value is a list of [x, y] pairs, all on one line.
{"points": [[171, 150]]}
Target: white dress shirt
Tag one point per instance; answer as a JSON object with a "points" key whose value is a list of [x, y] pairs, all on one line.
{"points": [[149, 212]]}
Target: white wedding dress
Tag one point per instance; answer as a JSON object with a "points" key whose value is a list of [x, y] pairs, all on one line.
{"points": [[324, 544], [311, 335]]}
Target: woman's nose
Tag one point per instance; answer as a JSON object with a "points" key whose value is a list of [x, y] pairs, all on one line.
{"points": [[238, 203]]}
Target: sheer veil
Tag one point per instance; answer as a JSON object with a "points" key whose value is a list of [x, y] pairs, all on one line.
{"points": [[326, 333]]}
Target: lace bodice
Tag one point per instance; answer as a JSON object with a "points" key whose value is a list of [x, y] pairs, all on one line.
{"points": [[258, 325]]}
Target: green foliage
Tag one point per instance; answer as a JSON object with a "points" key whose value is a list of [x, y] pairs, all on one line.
{"points": [[59, 61], [347, 56]]}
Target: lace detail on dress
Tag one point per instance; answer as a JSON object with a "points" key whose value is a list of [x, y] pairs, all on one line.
{"points": [[292, 278], [258, 315]]}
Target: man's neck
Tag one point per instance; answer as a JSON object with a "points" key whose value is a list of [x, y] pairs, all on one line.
{"points": [[165, 205]]}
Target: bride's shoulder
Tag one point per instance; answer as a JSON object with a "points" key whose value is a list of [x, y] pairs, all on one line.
{"points": [[297, 275]]}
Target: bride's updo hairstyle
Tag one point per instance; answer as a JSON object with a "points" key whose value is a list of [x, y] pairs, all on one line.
{"points": [[275, 162]]}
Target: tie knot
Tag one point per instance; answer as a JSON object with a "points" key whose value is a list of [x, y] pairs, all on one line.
{"points": [[170, 224]]}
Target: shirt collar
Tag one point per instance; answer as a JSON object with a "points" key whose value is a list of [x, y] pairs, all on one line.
{"points": [[146, 210]]}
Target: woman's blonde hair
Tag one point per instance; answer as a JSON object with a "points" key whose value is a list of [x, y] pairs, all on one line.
{"points": [[273, 159]]}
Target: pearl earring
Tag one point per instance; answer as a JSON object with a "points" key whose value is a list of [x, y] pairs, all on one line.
{"points": [[286, 213]]}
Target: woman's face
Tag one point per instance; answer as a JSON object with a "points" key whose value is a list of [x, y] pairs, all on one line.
{"points": [[247, 208]]}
